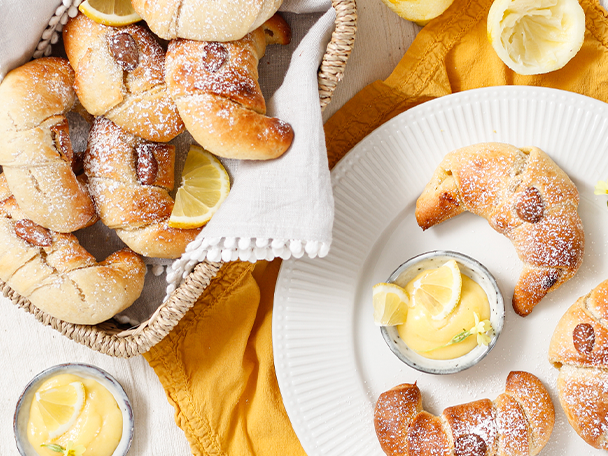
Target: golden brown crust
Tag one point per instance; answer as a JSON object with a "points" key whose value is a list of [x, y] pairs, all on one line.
{"points": [[582, 395], [120, 75], [512, 425], [536, 403], [525, 196], [215, 86], [579, 349], [36, 154], [395, 409], [61, 278], [518, 423], [205, 20], [137, 211]]}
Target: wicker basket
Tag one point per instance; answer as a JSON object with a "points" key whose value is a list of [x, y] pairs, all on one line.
{"points": [[108, 337]]}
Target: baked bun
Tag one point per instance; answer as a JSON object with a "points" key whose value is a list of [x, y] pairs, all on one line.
{"points": [[36, 152], [58, 275], [120, 75], [205, 20], [518, 423], [525, 196], [579, 349], [130, 179], [215, 86]]}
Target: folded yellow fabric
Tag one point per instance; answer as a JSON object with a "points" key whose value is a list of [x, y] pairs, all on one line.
{"points": [[451, 54], [216, 365]]}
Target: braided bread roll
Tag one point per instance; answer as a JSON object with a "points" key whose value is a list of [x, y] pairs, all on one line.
{"points": [[525, 196], [205, 20], [130, 180], [36, 152], [579, 349], [518, 423], [58, 275], [215, 86], [120, 75]]}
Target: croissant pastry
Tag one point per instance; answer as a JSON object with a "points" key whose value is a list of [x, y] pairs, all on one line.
{"points": [[215, 86], [579, 349], [130, 180], [518, 423], [36, 153], [205, 20], [120, 75], [525, 196], [58, 275]]}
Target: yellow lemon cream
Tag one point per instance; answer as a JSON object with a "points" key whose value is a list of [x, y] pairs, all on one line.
{"points": [[70, 411], [434, 337]]}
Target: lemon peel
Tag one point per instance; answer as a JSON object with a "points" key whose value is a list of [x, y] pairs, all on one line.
{"points": [[390, 304], [205, 185], [60, 407], [439, 290], [419, 11], [114, 13], [536, 36]]}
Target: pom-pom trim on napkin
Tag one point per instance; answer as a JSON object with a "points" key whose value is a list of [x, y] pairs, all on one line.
{"points": [[68, 8], [244, 249]]}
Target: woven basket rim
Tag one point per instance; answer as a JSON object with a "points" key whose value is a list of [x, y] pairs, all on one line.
{"points": [[105, 337]]}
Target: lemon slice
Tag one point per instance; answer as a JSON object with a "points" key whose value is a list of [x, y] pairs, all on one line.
{"points": [[439, 290], [205, 186], [60, 407], [418, 11], [536, 37], [390, 304], [110, 12]]}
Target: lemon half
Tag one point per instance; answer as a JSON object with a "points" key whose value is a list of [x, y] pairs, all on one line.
{"points": [[390, 304], [536, 36], [205, 185], [60, 407], [115, 13], [439, 290], [418, 11]]}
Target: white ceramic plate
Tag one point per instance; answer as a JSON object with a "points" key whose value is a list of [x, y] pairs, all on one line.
{"points": [[330, 358]]}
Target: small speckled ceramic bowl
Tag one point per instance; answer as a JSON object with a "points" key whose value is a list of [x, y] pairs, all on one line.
{"points": [[472, 269], [22, 411]]}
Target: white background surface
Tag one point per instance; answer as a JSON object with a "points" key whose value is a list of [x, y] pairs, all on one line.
{"points": [[26, 347]]}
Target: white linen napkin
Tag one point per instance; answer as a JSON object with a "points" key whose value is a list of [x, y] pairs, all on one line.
{"points": [[282, 207], [278, 208]]}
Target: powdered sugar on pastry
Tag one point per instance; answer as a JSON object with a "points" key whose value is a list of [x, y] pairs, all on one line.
{"points": [[525, 196], [519, 422], [120, 75], [37, 153], [215, 87], [205, 20], [579, 349], [130, 180]]}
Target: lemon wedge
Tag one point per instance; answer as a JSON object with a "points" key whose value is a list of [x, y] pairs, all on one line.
{"points": [[419, 11], [205, 186], [110, 12], [536, 36], [439, 290], [390, 304], [60, 407]]}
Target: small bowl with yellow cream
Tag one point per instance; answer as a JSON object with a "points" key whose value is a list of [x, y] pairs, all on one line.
{"points": [[455, 312], [74, 409]]}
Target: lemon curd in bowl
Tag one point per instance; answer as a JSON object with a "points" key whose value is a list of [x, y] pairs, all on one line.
{"points": [[457, 329], [73, 408]]}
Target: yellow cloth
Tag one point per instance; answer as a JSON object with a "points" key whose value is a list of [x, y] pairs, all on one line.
{"points": [[216, 365]]}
